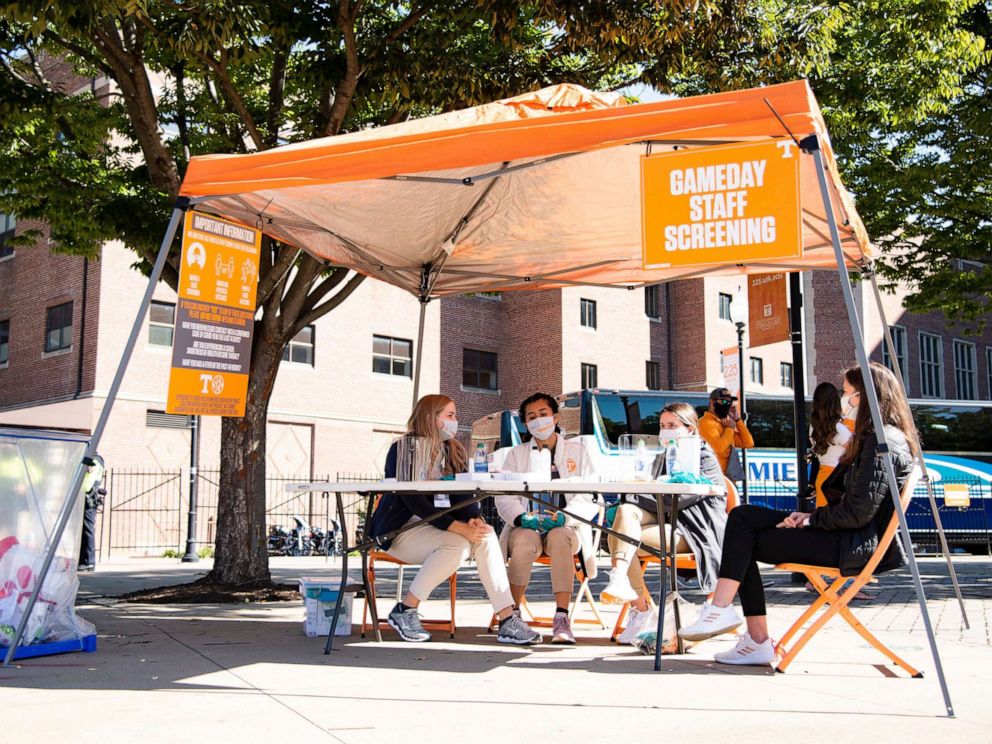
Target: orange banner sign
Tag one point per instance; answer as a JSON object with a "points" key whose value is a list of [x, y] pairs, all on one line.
{"points": [[211, 347], [721, 205], [768, 309]]}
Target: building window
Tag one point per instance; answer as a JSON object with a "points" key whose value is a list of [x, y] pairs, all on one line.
{"points": [[758, 370], [161, 323], [988, 368], [590, 376], [785, 374], [651, 302], [392, 356], [479, 369], [7, 224], [725, 300], [654, 375], [587, 312], [965, 372], [300, 347], [931, 365], [4, 341], [58, 327], [899, 341]]}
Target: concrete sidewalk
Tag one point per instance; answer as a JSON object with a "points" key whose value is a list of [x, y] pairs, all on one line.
{"points": [[247, 673]]}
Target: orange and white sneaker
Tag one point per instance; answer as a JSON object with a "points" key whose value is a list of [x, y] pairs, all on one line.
{"points": [[712, 621], [749, 652]]}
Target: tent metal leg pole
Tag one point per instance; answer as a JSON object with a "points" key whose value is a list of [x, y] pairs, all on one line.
{"points": [[926, 475], [420, 351], [69, 503], [872, 395]]}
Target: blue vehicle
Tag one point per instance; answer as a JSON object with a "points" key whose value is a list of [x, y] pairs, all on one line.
{"points": [[956, 436]]}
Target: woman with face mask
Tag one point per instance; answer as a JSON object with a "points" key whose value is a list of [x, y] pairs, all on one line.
{"points": [[849, 405], [441, 546], [533, 529], [827, 433], [701, 523], [842, 534]]}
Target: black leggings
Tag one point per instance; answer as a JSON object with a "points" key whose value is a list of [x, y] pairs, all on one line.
{"points": [[752, 536]]}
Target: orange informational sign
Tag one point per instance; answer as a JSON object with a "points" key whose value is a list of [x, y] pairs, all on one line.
{"points": [[720, 205], [768, 309], [211, 347]]}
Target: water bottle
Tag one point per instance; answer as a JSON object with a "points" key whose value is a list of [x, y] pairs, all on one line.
{"points": [[672, 464], [641, 461], [481, 458]]}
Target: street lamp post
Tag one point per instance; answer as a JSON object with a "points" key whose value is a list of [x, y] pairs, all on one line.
{"points": [[194, 457], [738, 316]]}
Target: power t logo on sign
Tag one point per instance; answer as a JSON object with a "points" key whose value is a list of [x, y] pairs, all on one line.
{"points": [[728, 204], [215, 317]]}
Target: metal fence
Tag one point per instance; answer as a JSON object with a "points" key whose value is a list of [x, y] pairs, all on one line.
{"points": [[145, 512]]}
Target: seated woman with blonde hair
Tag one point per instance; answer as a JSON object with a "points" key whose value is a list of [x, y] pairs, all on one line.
{"points": [[442, 545]]}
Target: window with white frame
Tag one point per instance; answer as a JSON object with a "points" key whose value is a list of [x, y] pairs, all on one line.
{"points": [[300, 348], [785, 374], [58, 327], [899, 341], [651, 297], [965, 370], [931, 365], [724, 307], [392, 356], [7, 225], [587, 313], [654, 375], [4, 341], [161, 323], [590, 376], [758, 370]]}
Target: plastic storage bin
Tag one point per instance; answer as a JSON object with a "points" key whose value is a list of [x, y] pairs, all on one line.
{"points": [[319, 598]]}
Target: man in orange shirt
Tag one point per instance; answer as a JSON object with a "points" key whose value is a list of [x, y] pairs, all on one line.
{"points": [[722, 428]]}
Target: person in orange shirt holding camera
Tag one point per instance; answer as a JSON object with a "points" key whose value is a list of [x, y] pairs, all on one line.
{"points": [[723, 429]]}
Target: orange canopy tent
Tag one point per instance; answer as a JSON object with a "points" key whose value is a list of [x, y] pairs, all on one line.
{"points": [[536, 191]]}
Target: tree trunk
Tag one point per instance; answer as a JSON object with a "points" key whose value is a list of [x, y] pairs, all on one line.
{"points": [[240, 551]]}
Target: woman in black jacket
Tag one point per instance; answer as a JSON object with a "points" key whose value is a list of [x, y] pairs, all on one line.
{"points": [[842, 534]]}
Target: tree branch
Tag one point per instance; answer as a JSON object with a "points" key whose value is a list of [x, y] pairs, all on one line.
{"points": [[272, 279], [321, 290], [231, 96], [277, 92], [307, 271], [345, 90], [306, 319]]}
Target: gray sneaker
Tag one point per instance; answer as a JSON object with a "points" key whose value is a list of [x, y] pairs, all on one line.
{"points": [[407, 624], [515, 631]]}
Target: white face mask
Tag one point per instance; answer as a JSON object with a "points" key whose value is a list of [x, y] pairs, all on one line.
{"points": [[665, 434], [848, 409], [541, 428], [449, 429]]}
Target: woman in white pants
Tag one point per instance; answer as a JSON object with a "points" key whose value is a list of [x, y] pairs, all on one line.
{"points": [[441, 546], [528, 532]]}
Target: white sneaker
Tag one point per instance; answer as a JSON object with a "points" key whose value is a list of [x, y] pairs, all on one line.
{"points": [[618, 590], [636, 620], [712, 621], [748, 651]]}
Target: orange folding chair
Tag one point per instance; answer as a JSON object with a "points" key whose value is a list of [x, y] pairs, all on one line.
{"points": [[378, 623], [683, 561], [836, 601]]}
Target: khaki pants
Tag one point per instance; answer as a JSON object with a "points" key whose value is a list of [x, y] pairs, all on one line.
{"points": [[560, 543], [641, 525], [440, 553]]}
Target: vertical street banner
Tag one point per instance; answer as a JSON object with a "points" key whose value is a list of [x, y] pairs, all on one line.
{"points": [[211, 348], [721, 205], [731, 369], [768, 309]]}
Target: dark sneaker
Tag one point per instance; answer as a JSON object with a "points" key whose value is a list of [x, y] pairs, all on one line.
{"points": [[407, 624], [515, 631]]}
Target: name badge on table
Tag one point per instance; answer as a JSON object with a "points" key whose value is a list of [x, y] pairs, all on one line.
{"points": [[442, 501]]}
